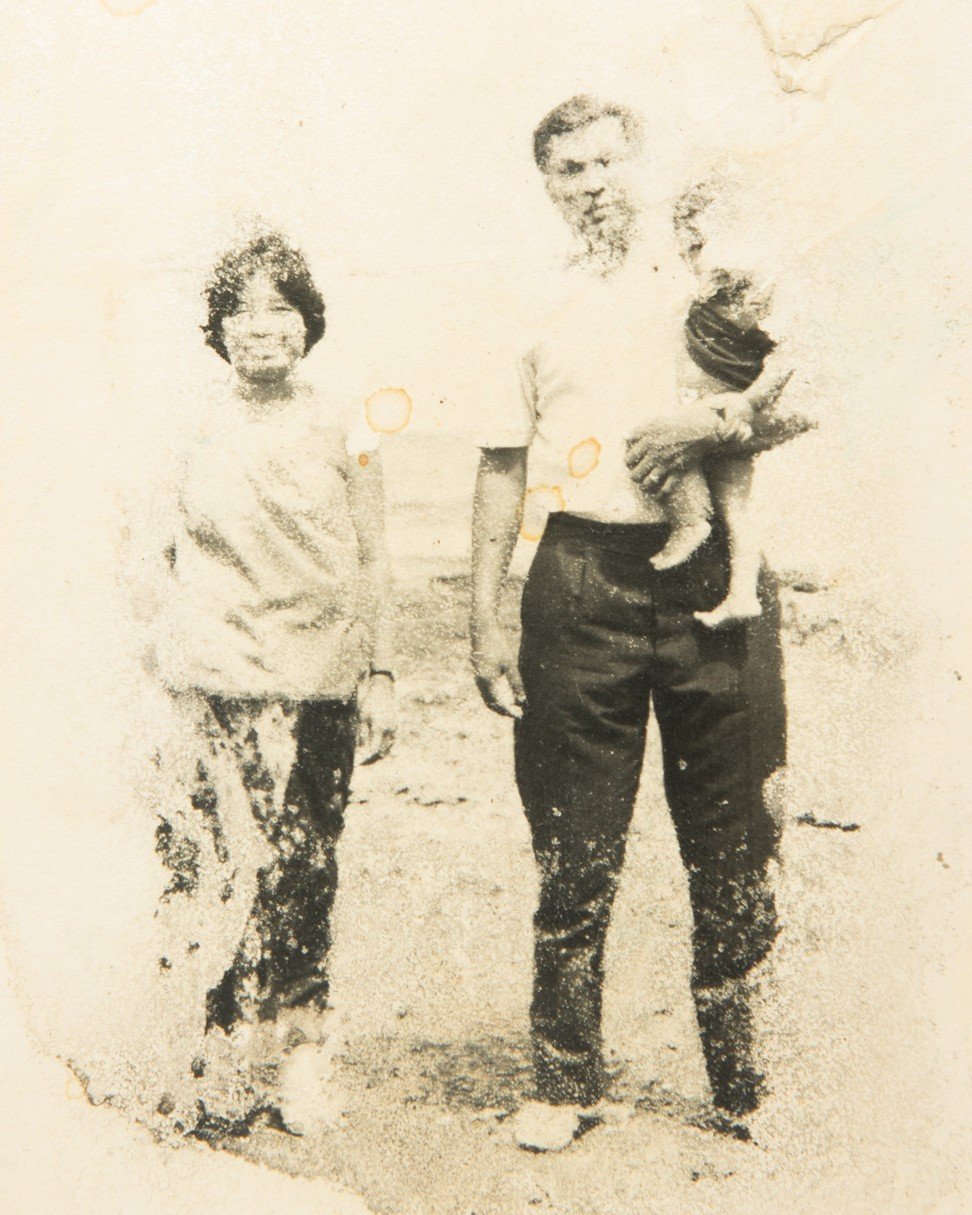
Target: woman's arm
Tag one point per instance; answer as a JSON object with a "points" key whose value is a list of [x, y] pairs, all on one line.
{"points": [[147, 555], [366, 495]]}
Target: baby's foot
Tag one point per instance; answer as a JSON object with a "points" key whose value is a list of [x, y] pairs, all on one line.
{"points": [[732, 609], [681, 544]]}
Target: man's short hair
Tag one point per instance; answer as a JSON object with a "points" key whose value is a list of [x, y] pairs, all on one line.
{"points": [[578, 112]]}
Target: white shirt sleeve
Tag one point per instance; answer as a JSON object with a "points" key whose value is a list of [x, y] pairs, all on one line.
{"points": [[508, 417]]}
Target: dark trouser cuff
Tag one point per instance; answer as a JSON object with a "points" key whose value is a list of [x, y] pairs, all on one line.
{"points": [[725, 1017], [561, 1082]]}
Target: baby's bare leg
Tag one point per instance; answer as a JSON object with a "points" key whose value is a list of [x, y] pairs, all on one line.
{"points": [[731, 481], [689, 508]]}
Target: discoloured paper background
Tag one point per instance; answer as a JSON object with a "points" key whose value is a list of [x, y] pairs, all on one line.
{"points": [[392, 142]]}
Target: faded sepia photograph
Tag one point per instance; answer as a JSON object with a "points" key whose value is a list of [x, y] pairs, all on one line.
{"points": [[485, 608]]}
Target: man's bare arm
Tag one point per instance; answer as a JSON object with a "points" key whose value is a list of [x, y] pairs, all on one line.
{"points": [[497, 510], [664, 446]]}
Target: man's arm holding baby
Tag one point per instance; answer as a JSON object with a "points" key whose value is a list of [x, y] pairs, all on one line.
{"points": [[721, 424]]}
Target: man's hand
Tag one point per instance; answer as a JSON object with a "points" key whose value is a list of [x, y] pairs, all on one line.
{"points": [[497, 673], [660, 449], [377, 717]]}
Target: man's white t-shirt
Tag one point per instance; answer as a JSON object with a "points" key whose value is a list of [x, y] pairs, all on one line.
{"points": [[604, 355]]}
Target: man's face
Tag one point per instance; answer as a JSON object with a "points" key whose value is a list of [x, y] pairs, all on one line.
{"points": [[589, 176]]}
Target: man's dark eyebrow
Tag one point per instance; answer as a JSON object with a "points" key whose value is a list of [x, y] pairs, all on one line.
{"points": [[573, 166]]}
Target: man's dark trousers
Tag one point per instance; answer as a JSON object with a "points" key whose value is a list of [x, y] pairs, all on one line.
{"points": [[604, 636]]}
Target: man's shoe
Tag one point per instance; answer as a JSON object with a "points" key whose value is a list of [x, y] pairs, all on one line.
{"points": [[541, 1127], [726, 1124]]}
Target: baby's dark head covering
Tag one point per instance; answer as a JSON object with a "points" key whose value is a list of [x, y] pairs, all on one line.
{"points": [[722, 347]]}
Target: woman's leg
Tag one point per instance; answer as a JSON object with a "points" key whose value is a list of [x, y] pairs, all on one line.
{"points": [[282, 958], [298, 940], [236, 997]]}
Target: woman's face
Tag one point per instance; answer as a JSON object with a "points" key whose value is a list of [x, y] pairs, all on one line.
{"points": [[265, 338]]}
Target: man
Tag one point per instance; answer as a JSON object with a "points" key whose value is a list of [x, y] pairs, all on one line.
{"points": [[605, 634]]}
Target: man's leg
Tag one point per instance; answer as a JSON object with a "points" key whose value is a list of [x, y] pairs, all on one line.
{"points": [[713, 780], [579, 749], [726, 1014], [579, 874]]}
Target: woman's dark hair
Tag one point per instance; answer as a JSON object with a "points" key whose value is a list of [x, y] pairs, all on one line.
{"points": [[288, 271]]}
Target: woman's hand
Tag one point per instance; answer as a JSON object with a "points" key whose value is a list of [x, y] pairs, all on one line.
{"points": [[377, 717]]}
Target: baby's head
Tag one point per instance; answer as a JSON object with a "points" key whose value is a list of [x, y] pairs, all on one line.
{"points": [[738, 295], [687, 214], [265, 313], [714, 233]]}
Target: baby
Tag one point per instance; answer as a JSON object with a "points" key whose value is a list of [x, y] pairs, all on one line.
{"points": [[725, 352]]}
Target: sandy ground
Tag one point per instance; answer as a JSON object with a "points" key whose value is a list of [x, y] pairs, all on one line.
{"points": [[432, 964]]}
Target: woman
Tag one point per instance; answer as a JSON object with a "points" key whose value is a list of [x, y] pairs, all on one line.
{"points": [[280, 644]]}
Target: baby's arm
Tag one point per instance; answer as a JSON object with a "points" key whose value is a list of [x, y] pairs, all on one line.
{"points": [[751, 422]]}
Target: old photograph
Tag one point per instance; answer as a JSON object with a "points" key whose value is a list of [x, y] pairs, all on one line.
{"points": [[485, 608]]}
